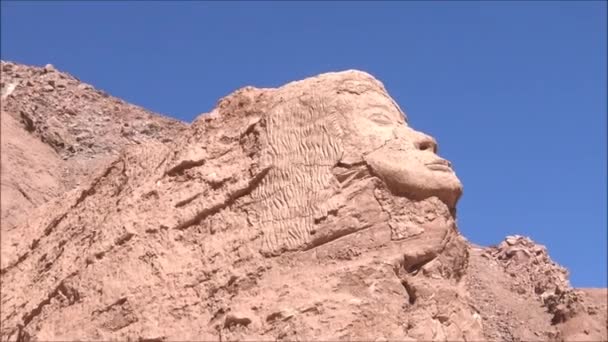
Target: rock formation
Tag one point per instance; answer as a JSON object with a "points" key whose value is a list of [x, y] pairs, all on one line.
{"points": [[524, 296], [61, 130], [307, 212]]}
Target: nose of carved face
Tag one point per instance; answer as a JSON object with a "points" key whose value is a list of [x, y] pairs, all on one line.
{"points": [[410, 167], [431, 160]]}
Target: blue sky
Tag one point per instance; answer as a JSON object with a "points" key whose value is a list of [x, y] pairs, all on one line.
{"points": [[515, 92]]}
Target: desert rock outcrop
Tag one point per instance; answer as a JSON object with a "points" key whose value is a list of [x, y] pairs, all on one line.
{"points": [[308, 212], [57, 130]]}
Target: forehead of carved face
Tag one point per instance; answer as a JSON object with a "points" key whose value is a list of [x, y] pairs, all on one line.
{"points": [[373, 118]]}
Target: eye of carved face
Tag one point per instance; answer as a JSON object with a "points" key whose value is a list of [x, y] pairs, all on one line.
{"points": [[380, 118]]}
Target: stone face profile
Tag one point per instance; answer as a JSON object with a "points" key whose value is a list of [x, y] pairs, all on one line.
{"points": [[312, 211], [328, 136]]}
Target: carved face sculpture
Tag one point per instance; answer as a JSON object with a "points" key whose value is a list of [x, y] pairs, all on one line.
{"points": [[405, 159], [341, 119]]}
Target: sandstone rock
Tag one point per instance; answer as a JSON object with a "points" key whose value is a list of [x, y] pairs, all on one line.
{"points": [[29, 97], [518, 265], [31, 175], [7, 66], [49, 68], [308, 212], [279, 189]]}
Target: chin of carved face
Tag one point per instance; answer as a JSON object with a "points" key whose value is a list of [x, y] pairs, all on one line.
{"points": [[416, 174]]}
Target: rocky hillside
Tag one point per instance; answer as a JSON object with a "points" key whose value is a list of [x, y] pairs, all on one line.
{"points": [[56, 130], [308, 212], [525, 296]]}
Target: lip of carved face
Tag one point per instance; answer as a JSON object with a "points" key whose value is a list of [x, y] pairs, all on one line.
{"points": [[440, 165]]}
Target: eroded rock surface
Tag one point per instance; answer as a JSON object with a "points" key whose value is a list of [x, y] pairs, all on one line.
{"points": [[56, 131], [524, 295], [308, 212]]}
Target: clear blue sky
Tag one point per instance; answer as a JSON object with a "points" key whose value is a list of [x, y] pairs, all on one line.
{"points": [[515, 92]]}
